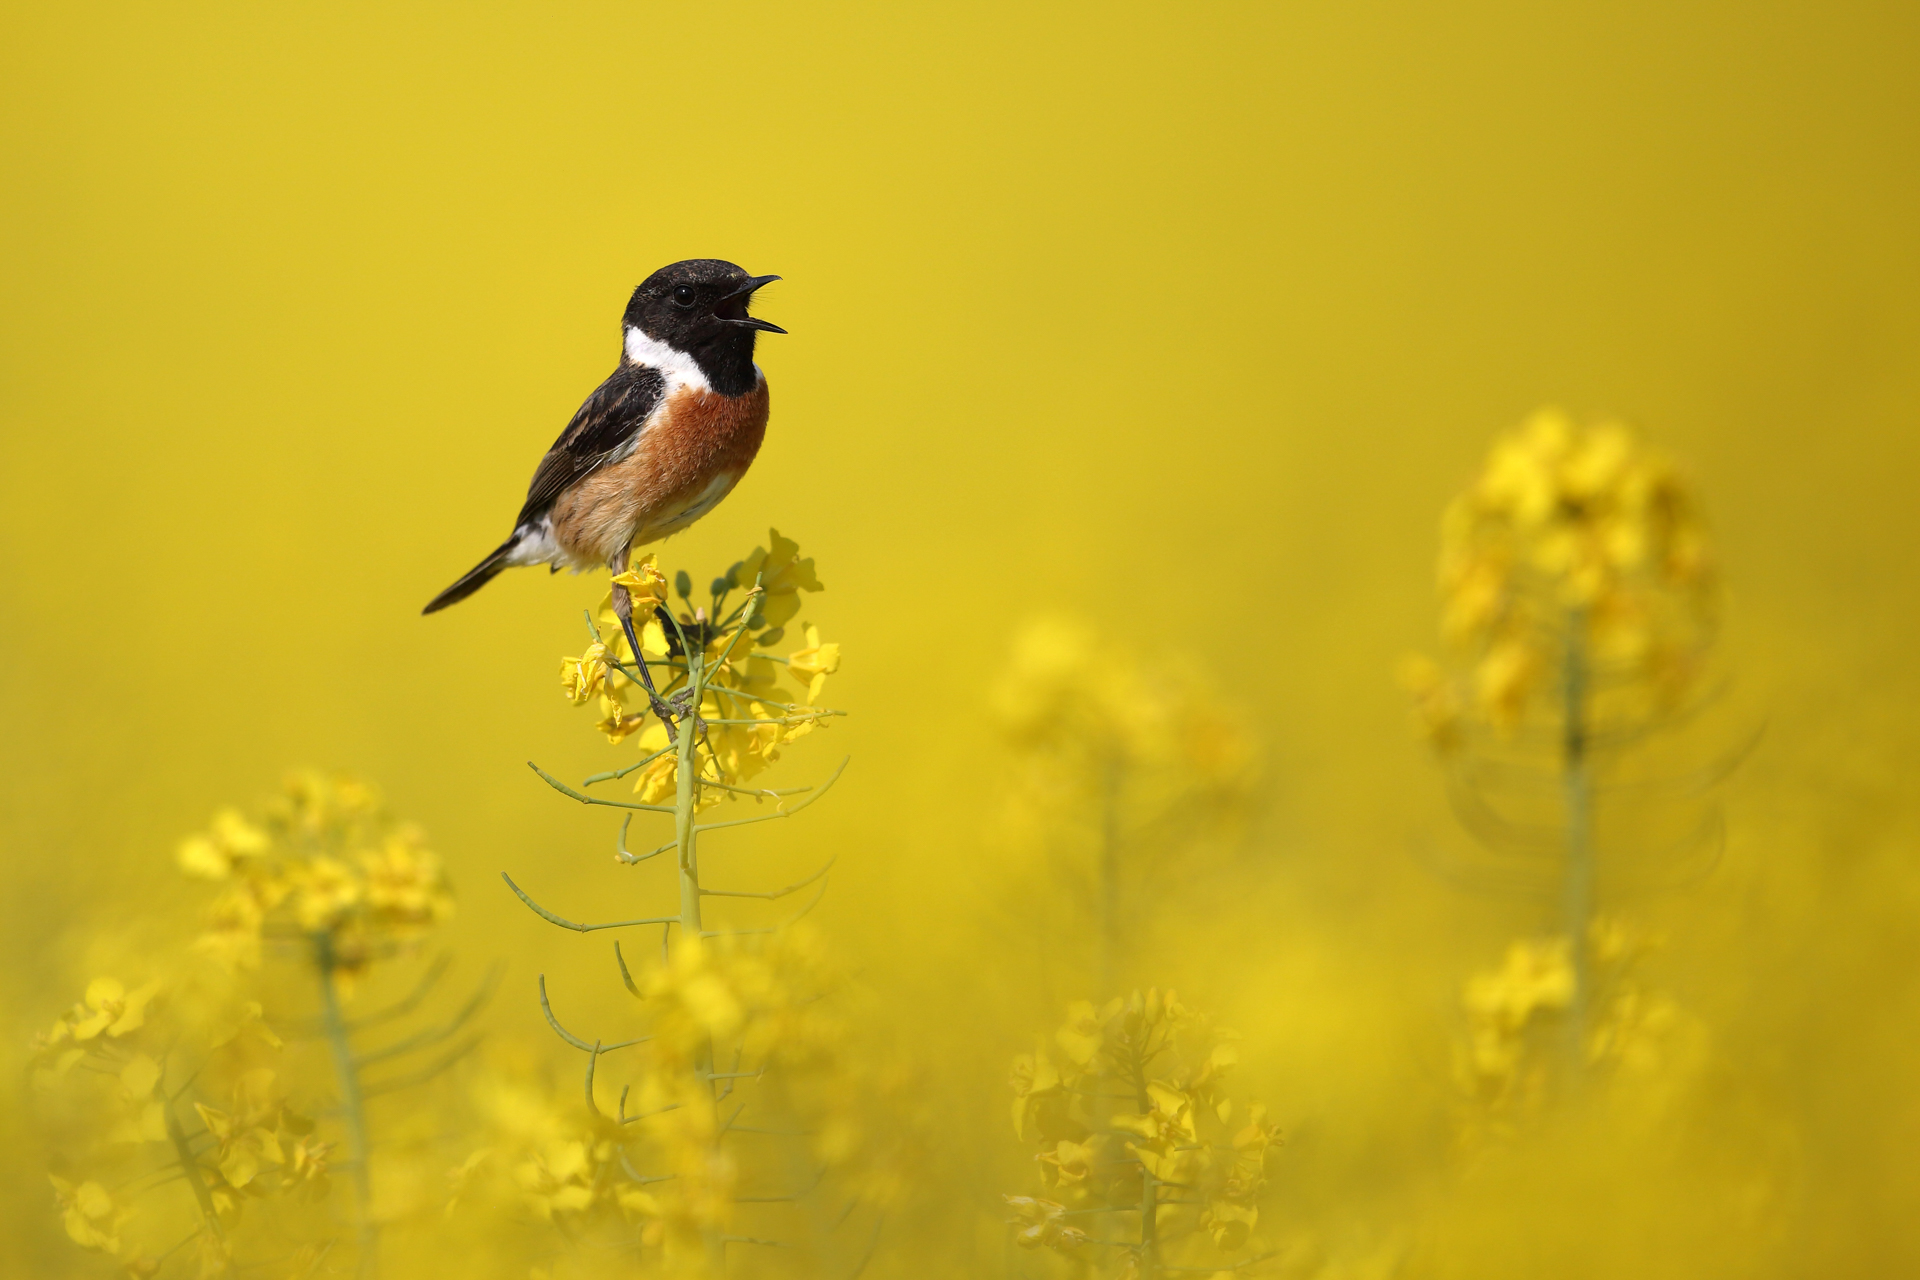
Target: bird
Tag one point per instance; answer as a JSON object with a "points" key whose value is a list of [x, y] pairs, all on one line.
{"points": [[659, 443]]}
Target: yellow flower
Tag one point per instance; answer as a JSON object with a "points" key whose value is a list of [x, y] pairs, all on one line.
{"points": [[782, 574], [404, 882], [232, 935], [324, 890], [700, 986], [91, 1216], [581, 677], [232, 840], [1167, 1123], [1536, 976], [813, 664], [248, 1135], [645, 584], [617, 722], [1505, 678], [243, 1152], [108, 1009], [305, 1173], [1250, 1146], [654, 782]]}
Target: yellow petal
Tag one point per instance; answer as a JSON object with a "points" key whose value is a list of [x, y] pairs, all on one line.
{"points": [[199, 856], [102, 992]]}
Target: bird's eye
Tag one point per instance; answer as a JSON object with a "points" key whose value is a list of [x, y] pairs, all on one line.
{"points": [[683, 295]]}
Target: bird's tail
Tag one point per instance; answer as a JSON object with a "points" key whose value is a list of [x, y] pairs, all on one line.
{"points": [[475, 578]]}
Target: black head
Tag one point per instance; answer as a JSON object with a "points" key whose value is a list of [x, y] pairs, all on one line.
{"points": [[699, 307]]}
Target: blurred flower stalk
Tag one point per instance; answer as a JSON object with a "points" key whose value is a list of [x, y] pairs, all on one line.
{"points": [[322, 874], [1578, 609], [1127, 778]]}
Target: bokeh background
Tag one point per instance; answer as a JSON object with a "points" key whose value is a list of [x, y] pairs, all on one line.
{"points": [[1184, 320]]}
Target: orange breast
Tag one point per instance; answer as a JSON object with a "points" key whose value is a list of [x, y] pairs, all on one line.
{"points": [[692, 453]]}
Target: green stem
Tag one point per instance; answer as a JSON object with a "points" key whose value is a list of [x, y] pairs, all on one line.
{"points": [[1577, 795], [686, 800], [352, 1103], [183, 1152], [686, 796], [1149, 1192]]}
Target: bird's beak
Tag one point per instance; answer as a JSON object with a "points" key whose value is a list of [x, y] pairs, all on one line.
{"points": [[743, 293]]}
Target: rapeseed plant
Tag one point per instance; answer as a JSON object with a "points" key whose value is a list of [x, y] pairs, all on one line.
{"points": [[188, 1077], [1580, 603], [174, 1081], [1149, 1167], [1513, 1015], [1127, 777], [744, 1141]]}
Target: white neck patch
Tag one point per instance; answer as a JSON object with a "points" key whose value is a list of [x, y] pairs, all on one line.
{"points": [[678, 366]]}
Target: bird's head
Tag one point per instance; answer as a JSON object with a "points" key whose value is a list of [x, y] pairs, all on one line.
{"points": [[698, 308]]}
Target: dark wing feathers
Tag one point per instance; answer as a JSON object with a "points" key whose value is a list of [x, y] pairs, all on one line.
{"points": [[604, 426]]}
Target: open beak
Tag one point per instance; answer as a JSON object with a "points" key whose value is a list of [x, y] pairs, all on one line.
{"points": [[733, 307]]}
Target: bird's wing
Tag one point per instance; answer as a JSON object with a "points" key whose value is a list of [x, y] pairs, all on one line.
{"points": [[603, 429]]}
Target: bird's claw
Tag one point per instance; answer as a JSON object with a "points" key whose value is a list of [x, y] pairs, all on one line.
{"points": [[681, 704]]}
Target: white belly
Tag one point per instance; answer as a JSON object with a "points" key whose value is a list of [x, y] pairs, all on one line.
{"points": [[701, 503]]}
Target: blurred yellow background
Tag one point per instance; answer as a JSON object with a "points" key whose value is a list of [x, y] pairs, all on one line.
{"points": [[1187, 320]]}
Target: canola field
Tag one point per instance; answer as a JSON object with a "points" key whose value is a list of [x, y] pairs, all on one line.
{"points": [[1315, 678]]}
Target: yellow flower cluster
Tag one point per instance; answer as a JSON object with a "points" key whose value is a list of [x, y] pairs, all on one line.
{"points": [[541, 1155], [1572, 535], [322, 862], [261, 1135], [128, 1081], [1503, 1068], [1535, 980], [1128, 1108], [1081, 709], [740, 1047], [746, 713]]}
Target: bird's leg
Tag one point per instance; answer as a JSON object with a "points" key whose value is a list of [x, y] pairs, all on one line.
{"points": [[623, 609]]}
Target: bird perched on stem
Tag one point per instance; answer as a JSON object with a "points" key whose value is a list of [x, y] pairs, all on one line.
{"points": [[656, 446]]}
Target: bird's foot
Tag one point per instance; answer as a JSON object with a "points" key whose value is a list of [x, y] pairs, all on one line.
{"points": [[682, 706]]}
